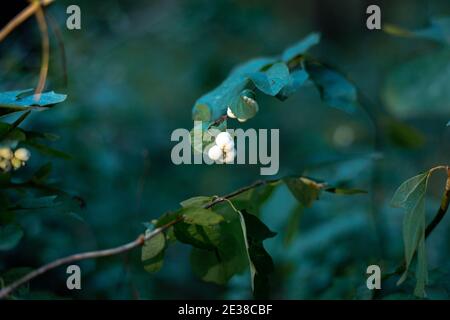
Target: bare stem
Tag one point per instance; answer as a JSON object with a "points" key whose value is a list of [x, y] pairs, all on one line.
{"points": [[22, 16], [139, 241]]}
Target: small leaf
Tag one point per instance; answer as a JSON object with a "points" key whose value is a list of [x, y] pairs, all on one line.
{"points": [[23, 100], [46, 150], [345, 191], [303, 189], [196, 201], [335, 90], [200, 216], [10, 236], [406, 190], [438, 30], [411, 196], [272, 80], [300, 47]]}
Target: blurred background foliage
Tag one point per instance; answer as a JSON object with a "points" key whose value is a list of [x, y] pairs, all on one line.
{"points": [[134, 71]]}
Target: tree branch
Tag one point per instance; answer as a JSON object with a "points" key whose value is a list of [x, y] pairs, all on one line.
{"points": [[442, 208], [22, 16], [139, 241]]}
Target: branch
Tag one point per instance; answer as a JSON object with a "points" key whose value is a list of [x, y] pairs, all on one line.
{"points": [[45, 51], [139, 241], [442, 208], [22, 16]]}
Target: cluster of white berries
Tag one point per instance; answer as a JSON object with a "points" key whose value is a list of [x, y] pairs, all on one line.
{"points": [[223, 151], [13, 160]]}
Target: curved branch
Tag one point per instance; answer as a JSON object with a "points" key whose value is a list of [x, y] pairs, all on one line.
{"points": [[442, 208], [139, 241], [22, 16]]}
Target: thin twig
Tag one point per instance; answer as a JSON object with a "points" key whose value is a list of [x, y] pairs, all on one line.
{"points": [[139, 241], [45, 52], [22, 16]]}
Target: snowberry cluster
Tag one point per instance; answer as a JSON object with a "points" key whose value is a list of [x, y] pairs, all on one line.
{"points": [[10, 159], [223, 151]]}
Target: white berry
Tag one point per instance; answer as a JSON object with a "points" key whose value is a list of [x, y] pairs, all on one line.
{"points": [[242, 120], [228, 146], [229, 156], [6, 153], [215, 153], [223, 138], [22, 154], [230, 114]]}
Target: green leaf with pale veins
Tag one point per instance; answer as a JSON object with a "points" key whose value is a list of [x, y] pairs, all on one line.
{"points": [[10, 236], [411, 196]]}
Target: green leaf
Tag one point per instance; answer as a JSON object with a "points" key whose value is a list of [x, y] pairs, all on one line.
{"points": [[335, 90], [202, 237], [167, 217], [214, 104], [404, 135], [37, 202], [196, 201], [303, 189], [42, 173], [345, 191], [23, 100], [256, 230], [152, 254], [46, 150], [406, 190], [296, 79], [229, 256], [411, 196], [261, 264], [10, 236], [300, 47], [200, 216], [272, 80], [438, 30], [409, 94]]}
